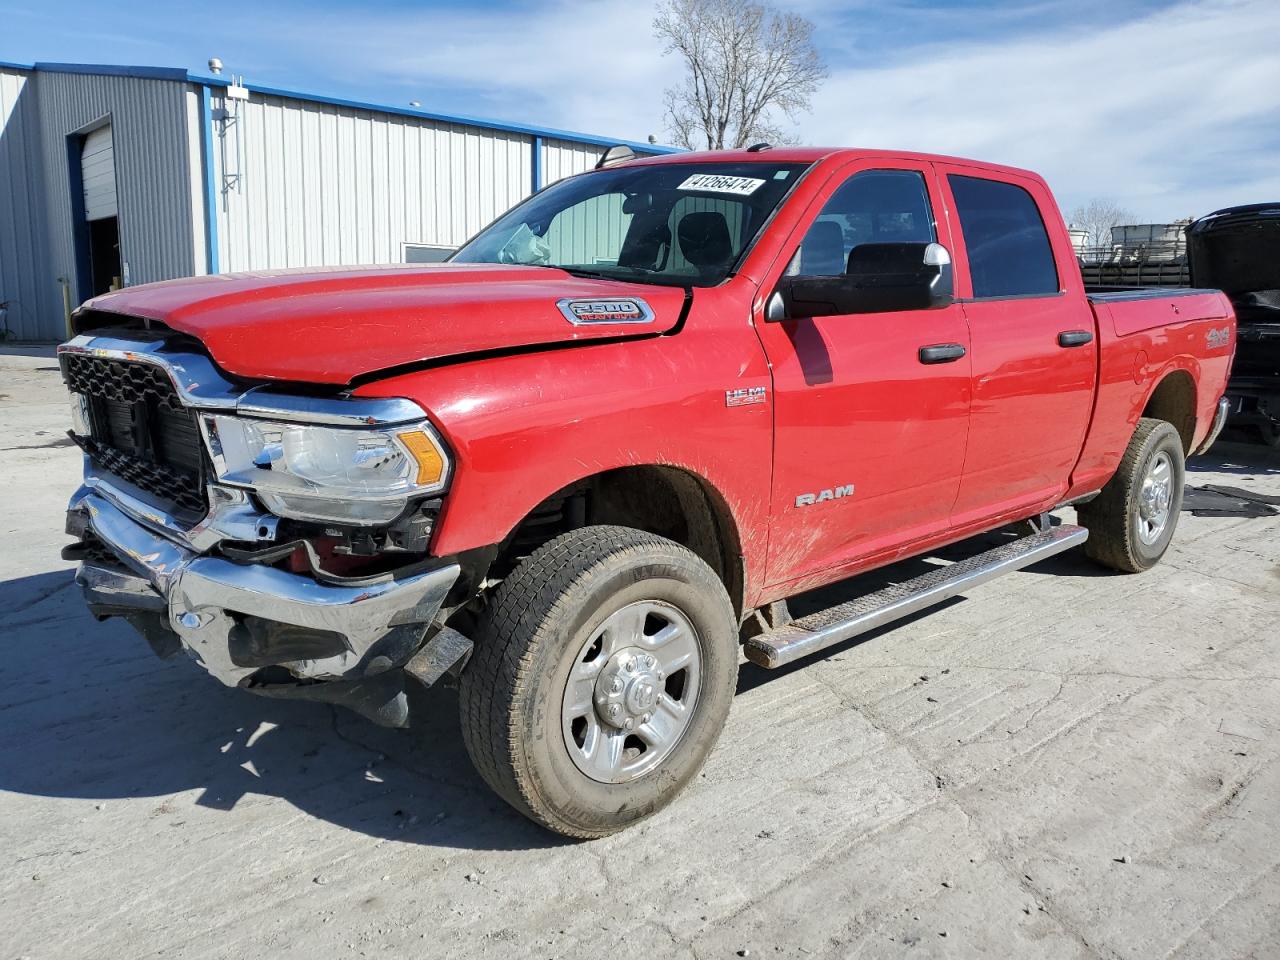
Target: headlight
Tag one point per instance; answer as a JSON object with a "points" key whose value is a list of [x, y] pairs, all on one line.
{"points": [[308, 472]]}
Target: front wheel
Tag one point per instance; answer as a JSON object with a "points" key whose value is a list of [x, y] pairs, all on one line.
{"points": [[603, 673], [1131, 522]]}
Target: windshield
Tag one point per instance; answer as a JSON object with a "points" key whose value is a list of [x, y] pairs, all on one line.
{"points": [[678, 224]]}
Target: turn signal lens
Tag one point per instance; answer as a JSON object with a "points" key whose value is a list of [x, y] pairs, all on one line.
{"points": [[424, 452]]}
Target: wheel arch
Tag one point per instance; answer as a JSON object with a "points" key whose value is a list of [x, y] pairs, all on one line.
{"points": [[1174, 400], [670, 501]]}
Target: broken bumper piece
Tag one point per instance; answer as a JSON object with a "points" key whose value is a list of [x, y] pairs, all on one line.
{"points": [[258, 627]]}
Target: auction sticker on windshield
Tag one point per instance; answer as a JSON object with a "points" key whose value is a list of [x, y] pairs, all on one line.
{"points": [[715, 183]]}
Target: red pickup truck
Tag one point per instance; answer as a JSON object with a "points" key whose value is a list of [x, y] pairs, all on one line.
{"points": [[582, 466]]}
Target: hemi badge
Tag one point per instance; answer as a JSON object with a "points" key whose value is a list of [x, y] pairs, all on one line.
{"points": [[611, 310], [745, 396]]}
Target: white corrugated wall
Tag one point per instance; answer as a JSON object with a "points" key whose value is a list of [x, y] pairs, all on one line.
{"points": [[159, 219], [303, 183], [294, 181], [34, 308], [564, 158]]}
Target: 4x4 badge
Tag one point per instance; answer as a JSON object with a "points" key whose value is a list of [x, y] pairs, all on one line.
{"points": [[1217, 338]]}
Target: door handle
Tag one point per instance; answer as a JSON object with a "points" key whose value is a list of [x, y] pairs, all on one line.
{"points": [[1074, 338], [941, 353]]}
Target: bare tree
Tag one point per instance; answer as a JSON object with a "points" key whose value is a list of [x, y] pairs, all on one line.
{"points": [[1097, 217], [745, 63]]}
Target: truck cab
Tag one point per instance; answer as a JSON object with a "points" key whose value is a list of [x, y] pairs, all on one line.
{"points": [[581, 467]]}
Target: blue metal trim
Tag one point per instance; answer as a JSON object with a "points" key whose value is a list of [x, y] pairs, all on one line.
{"points": [[648, 149], [79, 225], [537, 163], [177, 73], [6, 65], [112, 70], [210, 187]]}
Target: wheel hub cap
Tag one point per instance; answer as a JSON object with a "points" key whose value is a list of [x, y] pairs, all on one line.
{"points": [[628, 687], [631, 692], [1155, 499]]}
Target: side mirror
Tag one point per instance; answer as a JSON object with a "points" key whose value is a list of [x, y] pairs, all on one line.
{"points": [[880, 278]]}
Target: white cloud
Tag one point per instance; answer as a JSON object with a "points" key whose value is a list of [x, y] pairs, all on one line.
{"points": [[592, 67], [1172, 114]]}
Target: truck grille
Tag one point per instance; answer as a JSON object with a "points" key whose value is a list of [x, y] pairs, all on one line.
{"points": [[140, 430]]}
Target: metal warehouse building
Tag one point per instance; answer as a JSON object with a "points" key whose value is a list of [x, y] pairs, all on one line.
{"points": [[126, 175]]}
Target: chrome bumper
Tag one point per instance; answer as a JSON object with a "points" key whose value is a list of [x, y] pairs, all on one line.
{"points": [[378, 623], [1219, 421]]}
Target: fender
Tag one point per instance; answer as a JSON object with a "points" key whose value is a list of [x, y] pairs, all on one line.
{"points": [[523, 427]]}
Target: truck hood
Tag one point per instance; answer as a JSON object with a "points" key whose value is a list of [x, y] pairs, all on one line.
{"points": [[333, 326]]}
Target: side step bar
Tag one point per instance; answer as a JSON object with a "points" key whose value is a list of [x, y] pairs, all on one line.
{"points": [[835, 624]]}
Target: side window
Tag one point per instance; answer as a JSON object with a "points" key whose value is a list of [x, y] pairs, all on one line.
{"points": [[1004, 234], [874, 206]]}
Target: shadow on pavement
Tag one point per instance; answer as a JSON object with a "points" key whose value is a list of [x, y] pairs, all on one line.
{"points": [[1237, 458], [89, 712]]}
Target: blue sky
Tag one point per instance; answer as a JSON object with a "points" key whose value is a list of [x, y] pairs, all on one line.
{"points": [[1171, 108]]}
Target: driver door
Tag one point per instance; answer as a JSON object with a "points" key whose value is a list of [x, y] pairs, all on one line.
{"points": [[870, 429]]}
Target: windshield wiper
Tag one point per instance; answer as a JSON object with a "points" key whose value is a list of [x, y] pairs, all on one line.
{"points": [[628, 275], [590, 274]]}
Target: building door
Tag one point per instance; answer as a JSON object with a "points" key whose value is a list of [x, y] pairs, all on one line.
{"points": [[98, 183]]}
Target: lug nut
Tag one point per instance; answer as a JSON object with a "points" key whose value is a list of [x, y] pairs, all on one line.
{"points": [[614, 710], [661, 675], [646, 718], [629, 724]]}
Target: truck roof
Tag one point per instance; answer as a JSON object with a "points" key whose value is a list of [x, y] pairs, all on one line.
{"points": [[815, 154]]}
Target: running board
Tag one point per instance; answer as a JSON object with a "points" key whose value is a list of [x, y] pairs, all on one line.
{"points": [[819, 630]]}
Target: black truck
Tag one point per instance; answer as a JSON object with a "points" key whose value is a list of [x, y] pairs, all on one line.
{"points": [[1237, 250]]}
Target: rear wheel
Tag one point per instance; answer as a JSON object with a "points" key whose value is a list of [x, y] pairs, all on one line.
{"points": [[1131, 522], [603, 673]]}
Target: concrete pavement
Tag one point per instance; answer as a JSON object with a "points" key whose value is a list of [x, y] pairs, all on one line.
{"points": [[1065, 763]]}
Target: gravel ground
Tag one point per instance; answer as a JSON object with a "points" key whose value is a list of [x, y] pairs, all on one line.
{"points": [[1064, 763]]}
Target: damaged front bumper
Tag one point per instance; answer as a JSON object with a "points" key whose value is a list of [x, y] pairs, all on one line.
{"points": [[265, 629]]}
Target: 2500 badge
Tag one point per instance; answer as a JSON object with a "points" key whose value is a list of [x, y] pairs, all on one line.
{"points": [[622, 310]]}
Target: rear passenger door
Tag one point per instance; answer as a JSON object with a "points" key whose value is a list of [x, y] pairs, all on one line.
{"points": [[1033, 343]]}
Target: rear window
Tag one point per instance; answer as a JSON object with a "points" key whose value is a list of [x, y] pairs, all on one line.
{"points": [[1005, 237]]}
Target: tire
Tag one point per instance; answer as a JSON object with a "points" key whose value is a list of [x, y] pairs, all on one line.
{"points": [[1122, 521], [598, 601]]}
